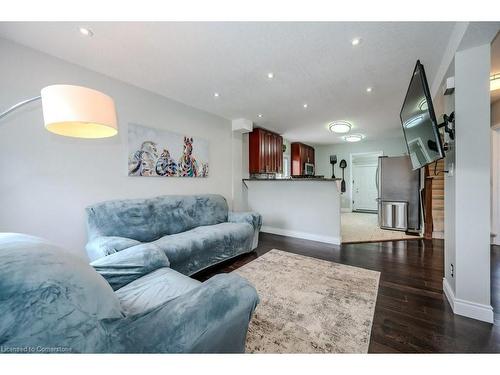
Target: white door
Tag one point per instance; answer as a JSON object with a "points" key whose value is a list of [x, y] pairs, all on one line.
{"points": [[364, 187]]}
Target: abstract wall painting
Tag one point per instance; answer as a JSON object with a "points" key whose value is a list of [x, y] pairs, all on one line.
{"points": [[162, 153]]}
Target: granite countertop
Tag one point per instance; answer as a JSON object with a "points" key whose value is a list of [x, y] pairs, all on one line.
{"points": [[294, 179]]}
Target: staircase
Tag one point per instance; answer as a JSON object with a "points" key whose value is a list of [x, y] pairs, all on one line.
{"points": [[437, 199]]}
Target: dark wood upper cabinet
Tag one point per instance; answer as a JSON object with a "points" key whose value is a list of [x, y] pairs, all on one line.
{"points": [[301, 154], [265, 152]]}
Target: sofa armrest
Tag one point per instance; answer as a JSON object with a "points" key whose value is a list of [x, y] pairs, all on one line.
{"points": [[253, 218], [211, 318], [105, 245], [128, 265]]}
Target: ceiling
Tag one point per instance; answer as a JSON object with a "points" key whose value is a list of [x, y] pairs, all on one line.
{"points": [[312, 62]]}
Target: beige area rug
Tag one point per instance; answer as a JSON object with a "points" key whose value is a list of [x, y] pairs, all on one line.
{"points": [[363, 227], [309, 305]]}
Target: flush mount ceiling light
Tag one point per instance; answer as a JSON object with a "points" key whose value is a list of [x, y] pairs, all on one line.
{"points": [[495, 82], [369, 89], [270, 75], [305, 105], [340, 127], [216, 95], [353, 138], [356, 41], [86, 31], [260, 115]]}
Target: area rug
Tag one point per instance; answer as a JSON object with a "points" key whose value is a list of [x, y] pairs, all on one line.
{"points": [[309, 305]]}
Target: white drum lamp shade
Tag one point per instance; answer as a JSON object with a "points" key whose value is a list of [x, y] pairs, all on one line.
{"points": [[80, 112]]}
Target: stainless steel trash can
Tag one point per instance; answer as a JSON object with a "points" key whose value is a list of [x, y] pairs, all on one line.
{"points": [[393, 215]]}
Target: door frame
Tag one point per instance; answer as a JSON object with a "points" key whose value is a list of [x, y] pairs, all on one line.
{"points": [[374, 153]]}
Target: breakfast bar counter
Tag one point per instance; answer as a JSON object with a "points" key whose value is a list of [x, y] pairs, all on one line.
{"points": [[300, 179], [307, 208]]}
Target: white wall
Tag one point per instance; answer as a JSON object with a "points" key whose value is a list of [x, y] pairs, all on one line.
{"points": [[389, 147], [298, 208], [46, 180], [446, 105], [237, 160], [470, 210], [495, 175], [495, 185]]}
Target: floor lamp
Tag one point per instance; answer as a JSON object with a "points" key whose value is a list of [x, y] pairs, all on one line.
{"points": [[75, 111]]}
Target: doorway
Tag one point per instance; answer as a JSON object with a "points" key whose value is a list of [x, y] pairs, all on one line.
{"points": [[361, 223], [364, 190]]}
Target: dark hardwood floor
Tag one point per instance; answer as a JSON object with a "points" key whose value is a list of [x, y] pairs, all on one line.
{"points": [[412, 314]]}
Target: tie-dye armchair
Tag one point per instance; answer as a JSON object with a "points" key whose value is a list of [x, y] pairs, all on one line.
{"points": [[53, 302]]}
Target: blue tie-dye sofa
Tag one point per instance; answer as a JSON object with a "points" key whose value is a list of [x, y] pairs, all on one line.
{"points": [[54, 302], [194, 231]]}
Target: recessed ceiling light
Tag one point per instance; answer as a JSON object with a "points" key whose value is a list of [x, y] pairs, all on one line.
{"points": [[356, 41], [86, 31], [305, 105], [270, 75], [353, 138], [216, 95], [369, 89], [259, 115], [340, 127]]}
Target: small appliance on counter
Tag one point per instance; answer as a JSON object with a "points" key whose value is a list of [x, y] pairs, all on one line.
{"points": [[309, 169]]}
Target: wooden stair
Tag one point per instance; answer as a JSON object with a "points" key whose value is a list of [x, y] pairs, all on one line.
{"points": [[437, 199]]}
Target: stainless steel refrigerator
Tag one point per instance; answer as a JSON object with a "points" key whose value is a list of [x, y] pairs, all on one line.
{"points": [[398, 194]]}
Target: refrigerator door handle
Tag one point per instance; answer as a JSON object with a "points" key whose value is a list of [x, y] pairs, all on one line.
{"points": [[377, 178]]}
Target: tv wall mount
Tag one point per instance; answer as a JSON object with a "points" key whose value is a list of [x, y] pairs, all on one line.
{"points": [[448, 124], [449, 127]]}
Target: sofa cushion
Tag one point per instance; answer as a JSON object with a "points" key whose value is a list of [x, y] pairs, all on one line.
{"points": [[51, 297], [154, 289], [201, 247], [147, 220]]}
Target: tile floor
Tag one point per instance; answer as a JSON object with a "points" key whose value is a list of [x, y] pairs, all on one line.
{"points": [[361, 227]]}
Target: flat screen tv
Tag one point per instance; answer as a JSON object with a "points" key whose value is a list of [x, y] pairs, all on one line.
{"points": [[419, 122]]}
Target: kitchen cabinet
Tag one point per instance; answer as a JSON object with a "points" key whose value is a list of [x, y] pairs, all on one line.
{"points": [[301, 154], [265, 152]]}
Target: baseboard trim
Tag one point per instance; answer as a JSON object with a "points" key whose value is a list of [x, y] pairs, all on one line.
{"points": [[448, 292], [303, 235], [468, 309]]}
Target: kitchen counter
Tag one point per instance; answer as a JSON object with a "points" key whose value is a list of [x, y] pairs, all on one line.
{"points": [[308, 209], [294, 179], [308, 179]]}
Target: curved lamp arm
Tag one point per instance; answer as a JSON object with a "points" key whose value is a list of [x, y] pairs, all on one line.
{"points": [[18, 105]]}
